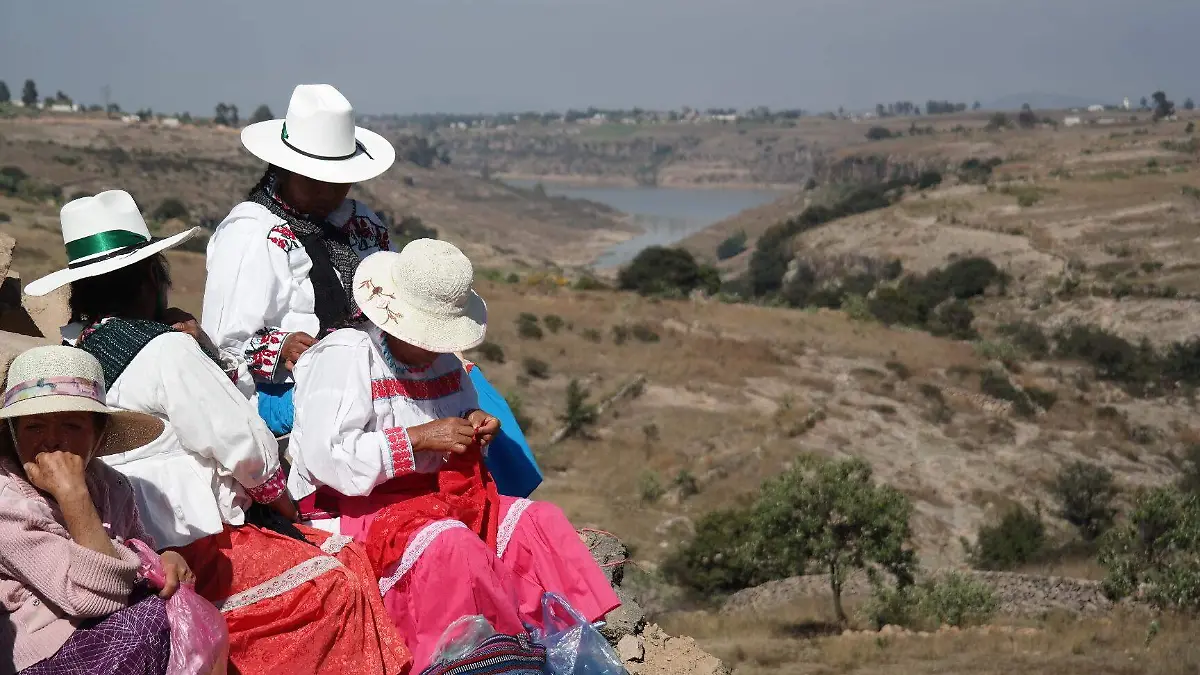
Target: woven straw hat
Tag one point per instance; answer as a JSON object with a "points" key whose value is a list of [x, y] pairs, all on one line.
{"points": [[65, 379], [423, 296]]}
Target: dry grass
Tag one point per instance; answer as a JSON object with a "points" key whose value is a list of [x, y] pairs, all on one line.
{"points": [[799, 642]]}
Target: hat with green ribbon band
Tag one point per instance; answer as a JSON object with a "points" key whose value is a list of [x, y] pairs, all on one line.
{"points": [[102, 234]]}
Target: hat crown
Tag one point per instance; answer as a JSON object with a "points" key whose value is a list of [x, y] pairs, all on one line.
{"points": [[57, 364], [320, 122], [107, 221], [434, 276]]}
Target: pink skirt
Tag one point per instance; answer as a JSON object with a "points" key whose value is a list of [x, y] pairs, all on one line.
{"points": [[448, 572]]}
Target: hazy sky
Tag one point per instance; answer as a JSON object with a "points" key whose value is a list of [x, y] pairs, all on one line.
{"points": [[491, 55]]}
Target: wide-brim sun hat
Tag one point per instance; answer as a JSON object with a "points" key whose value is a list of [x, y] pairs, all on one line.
{"points": [[318, 139], [423, 296], [103, 234], [57, 378]]}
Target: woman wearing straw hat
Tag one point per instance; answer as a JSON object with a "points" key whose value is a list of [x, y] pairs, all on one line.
{"points": [[281, 263], [68, 584], [211, 486], [387, 448]]}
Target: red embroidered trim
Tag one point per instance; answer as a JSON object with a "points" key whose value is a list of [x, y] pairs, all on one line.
{"points": [[262, 352], [283, 237], [403, 461], [271, 490], [418, 390]]}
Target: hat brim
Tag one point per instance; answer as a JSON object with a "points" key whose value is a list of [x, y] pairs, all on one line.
{"points": [[264, 141], [56, 280], [409, 324], [126, 430]]}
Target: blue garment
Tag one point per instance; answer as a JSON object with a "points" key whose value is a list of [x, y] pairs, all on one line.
{"points": [[275, 407], [509, 459]]}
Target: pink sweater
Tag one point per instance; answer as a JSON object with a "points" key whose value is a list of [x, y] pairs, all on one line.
{"points": [[46, 580]]}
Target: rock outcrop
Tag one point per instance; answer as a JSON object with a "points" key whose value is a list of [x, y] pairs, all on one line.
{"points": [[644, 647]]}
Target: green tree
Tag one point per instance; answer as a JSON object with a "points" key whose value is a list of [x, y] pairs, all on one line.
{"points": [[1162, 107], [579, 414], [221, 115], [733, 245], [261, 114], [29, 95], [659, 269], [1018, 538], [976, 105], [1027, 119], [829, 517], [1085, 494], [5, 94], [1155, 550], [718, 557], [1188, 103]]}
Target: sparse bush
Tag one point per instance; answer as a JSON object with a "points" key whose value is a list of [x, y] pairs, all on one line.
{"points": [[953, 319], [1044, 398], [528, 327], [929, 179], [902, 371], [1153, 554], [490, 351], [649, 487], [643, 333], [957, 599], [686, 483], [170, 208], [589, 283], [879, 134], [719, 558], [5, 218], [1085, 494], [1189, 478], [536, 368], [592, 335], [1028, 337], [553, 322], [620, 334], [732, 246], [650, 432], [1018, 538], [890, 605], [579, 414]]}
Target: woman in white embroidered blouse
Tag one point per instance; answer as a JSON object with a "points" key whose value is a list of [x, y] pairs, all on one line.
{"points": [[281, 263], [387, 448], [202, 485]]}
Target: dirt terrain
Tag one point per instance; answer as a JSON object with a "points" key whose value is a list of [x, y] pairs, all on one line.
{"points": [[732, 393]]}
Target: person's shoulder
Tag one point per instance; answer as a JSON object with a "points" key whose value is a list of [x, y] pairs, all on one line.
{"points": [[342, 338], [365, 228], [249, 222]]}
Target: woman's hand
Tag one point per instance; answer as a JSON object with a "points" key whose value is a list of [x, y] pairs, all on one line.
{"points": [[293, 347], [186, 323], [58, 473], [486, 426], [449, 434], [177, 572]]}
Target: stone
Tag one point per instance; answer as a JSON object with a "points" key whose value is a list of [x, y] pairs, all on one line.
{"points": [[608, 552], [13, 317], [630, 649], [7, 244], [628, 619]]}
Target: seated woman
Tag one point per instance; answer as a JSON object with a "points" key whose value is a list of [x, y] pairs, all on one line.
{"points": [[68, 584], [387, 448], [211, 486]]}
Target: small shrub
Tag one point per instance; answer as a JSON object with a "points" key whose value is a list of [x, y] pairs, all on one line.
{"points": [[732, 246], [170, 208], [718, 558], [1189, 479], [1153, 554], [536, 368], [528, 328], [686, 483], [512, 278], [490, 351], [1085, 494], [589, 283], [592, 335], [659, 270], [579, 414], [643, 333], [890, 605], [997, 385], [879, 134], [649, 487], [1044, 398], [620, 334], [1028, 337], [650, 432], [902, 371], [929, 179], [553, 322], [5, 218], [1018, 538], [957, 599]]}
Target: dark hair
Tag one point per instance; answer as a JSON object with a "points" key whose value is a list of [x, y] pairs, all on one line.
{"points": [[113, 294], [270, 174]]}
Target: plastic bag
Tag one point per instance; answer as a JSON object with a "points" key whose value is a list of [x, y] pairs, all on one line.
{"points": [[461, 638], [573, 646], [199, 636]]}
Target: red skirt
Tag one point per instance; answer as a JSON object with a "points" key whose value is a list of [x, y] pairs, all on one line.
{"points": [[296, 608]]}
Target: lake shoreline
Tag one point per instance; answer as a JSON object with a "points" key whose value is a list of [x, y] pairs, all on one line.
{"points": [[614, 182]]}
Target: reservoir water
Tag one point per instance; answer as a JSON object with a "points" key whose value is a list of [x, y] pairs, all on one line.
{"points": [[666, 215]]}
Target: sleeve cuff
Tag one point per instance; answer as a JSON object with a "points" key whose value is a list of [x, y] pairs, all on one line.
{"points": [[401, 461], [262, 353], [271, 490]]}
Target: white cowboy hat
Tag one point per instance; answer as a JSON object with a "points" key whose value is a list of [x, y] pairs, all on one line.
{"points": [[57, 378], [318, 139], [102, 234], [422, 295]]}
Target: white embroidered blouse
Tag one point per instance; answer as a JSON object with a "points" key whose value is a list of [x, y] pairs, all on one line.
{"points": [[258, 291], [215, 454], [353, 409]]}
